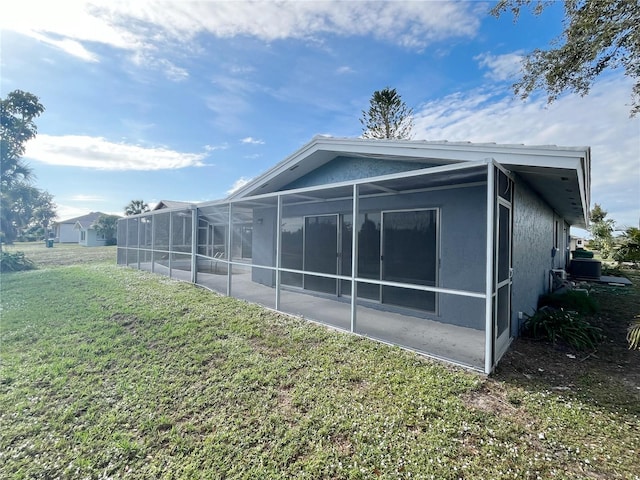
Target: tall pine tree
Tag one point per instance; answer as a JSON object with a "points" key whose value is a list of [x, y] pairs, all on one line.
{"points": [[388, 116]]}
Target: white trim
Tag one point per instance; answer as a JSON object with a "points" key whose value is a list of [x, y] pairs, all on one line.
{"points": [[488, 329], [379, 195], [194, 243], [278, 251], [227, 248], [354, 257], [349, 183]]}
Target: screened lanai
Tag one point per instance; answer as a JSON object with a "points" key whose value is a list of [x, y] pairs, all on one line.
{"points": [[418, 259]]}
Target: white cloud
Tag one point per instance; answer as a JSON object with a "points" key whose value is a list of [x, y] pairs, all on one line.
{"points": [[72, 47], [173, 72], [86, 198], [344, 70], [252, 141], [600, 120], [144, 24], [501, 67], [65, 25], [101, 154], [213, 148], [231, 102], [66, 211], [238, 184]]}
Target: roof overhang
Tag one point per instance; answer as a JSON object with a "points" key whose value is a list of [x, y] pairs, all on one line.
{"points": [[560, 175]]}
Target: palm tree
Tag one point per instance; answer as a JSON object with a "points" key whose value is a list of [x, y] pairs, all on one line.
{"points": [[17, 113], [135, 207], [107, 226]]}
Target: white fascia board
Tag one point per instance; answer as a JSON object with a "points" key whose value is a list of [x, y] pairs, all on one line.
{"points": [[455, 151], [566, 160], [278, 168]]}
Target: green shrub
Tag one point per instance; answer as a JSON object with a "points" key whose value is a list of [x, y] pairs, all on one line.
{"points": [[573, 300], [557, 324], [14, 262]]}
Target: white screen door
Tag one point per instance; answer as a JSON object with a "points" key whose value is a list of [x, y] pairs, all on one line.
{"points": [[503, 279]]}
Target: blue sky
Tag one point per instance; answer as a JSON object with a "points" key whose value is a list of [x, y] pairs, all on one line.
{"points": [[184, 100]]}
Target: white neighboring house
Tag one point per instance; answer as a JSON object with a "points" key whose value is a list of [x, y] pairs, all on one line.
{"points": [[576, 242], [76, 230]]}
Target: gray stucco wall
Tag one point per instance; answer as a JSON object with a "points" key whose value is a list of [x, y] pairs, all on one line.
{"points": [[264, 245], [347, 168], [462, 243], [533, 243]]}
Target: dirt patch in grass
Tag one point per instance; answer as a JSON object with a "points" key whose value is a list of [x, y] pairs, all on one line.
{"points": [[608, 375], [489, 400], [128, 322]]}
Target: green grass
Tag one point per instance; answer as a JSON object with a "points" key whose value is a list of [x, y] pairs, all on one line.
{"points": [[63, 253], [109, 372]]}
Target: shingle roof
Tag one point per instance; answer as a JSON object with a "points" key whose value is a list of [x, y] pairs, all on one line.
{"points": [[84, 220], [170, 204]]}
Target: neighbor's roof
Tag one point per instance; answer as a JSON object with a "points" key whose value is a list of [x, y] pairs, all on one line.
{"points": [[560, 175], [87, 223], [87, 219], [162, 204]]}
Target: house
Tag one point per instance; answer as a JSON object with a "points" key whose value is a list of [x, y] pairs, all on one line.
{"points": [[438, 247], [66, 231], [576, 243], [88, 236]]}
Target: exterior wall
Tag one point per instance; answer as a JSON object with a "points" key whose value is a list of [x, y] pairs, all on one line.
{"points": [[65, 233], [263, 248], [533, 245], [462, 232], [347, 168], [92, 239]]}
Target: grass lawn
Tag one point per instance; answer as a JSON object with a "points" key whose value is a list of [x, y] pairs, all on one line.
{"points": [[108, 372]]}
